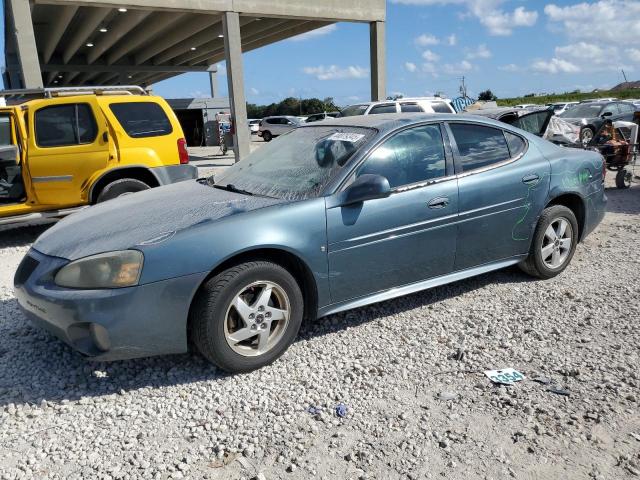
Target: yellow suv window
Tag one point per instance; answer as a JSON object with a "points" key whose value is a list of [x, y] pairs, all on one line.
{"points": [[142, 119], [64, 125]]}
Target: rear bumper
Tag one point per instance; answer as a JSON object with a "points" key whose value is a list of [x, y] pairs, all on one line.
{"points": [[113, 324], [596, 207], [175, 173]]}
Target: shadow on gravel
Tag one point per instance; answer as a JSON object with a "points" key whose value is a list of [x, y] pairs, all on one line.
{"points": [[623, 201], [19, 236], [36, 366]]}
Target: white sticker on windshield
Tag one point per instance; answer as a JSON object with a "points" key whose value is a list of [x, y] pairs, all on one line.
{"points": [[346, 137]]}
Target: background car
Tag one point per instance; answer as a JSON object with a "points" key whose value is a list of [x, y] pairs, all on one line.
{"points": [[332, 216], [254, 126], [560, 107], [526, 105], [316, 117], [403, 105], [591, 115], [271, 127]]}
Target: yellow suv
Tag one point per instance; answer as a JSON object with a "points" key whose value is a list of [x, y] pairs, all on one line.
{"points": [[62, 149]]}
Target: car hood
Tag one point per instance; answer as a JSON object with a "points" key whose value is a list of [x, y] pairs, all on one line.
{"points": [[143, 218]]}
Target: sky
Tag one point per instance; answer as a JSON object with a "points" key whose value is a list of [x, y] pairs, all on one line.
{"points": [[512, 47]]}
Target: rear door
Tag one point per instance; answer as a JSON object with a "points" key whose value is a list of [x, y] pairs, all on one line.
{"points": [[503, 182], [68, 143], [406, 237]]}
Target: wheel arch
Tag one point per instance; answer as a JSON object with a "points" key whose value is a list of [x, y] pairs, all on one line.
{"points": [[575, 203], [141, 173], [286, 259]]}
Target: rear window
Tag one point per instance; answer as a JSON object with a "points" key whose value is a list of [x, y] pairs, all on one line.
{"points": [[479, 146], [410, 108], [354, 110], [440, 107], [142, 119], [386, 108]]}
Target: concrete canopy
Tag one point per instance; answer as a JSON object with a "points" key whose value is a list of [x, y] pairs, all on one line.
{"points": [[91, 42]]}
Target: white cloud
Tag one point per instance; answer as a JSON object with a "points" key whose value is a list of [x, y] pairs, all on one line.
{"points": [[488, 12], [452, 40], [481, 51], [254, 91], [425, 40], [511, 67], [333, 72], [634, 54], [319, 32], [353, 98], [430, 56], [553, 66], [410, 67], [601, 21], [457, 68]]}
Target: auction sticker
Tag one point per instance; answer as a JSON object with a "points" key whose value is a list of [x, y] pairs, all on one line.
{"points": [[346, 137], [506, 376]]}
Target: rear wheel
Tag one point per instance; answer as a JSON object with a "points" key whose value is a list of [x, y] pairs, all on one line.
{"points": [[247, 316], [554, 243], [266, 136], [121, 187], [623, 178], [586, 135]]}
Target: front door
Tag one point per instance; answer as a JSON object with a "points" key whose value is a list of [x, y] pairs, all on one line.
{"points": [[503, 183], [407, 237], [68, 143]]}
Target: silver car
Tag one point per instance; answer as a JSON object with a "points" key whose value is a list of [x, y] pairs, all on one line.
{"points": [[271, 127]]}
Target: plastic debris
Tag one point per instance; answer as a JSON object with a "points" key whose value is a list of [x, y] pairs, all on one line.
{"points": [[314, 410], [341, 410], [506, 376], [542, 380], [447, 396], [559, 391]]}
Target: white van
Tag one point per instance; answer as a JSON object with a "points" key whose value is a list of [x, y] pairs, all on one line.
{"points": [[402, 105]]}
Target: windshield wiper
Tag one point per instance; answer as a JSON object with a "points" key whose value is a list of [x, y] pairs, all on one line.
{"points": [[229, 187]]}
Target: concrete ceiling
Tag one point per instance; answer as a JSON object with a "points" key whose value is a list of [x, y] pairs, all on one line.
{"points": [[141, 46]]}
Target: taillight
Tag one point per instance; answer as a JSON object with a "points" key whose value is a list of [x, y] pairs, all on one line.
{"points": [[182, 151]]}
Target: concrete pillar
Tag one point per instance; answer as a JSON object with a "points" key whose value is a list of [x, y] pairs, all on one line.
{"points": [[213, 79], [25, 43], [378, 65], [235, 82]]}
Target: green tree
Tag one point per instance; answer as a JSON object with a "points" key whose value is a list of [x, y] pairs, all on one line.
{"points": [[487, 95]]}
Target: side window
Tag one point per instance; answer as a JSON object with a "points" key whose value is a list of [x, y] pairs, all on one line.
{"points": [[5, 130], [385, 108], [612, 107], [410, 107], [411, 156], [626, 107], [516, 144], [142, 119], [441, 107], [479, 146], [65, 125]]}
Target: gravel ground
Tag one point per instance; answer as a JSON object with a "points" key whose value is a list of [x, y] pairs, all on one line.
{"points": [[407, 371]]}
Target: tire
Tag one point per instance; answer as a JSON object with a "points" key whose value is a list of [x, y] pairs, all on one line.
{"points": [[623, 178], [266, 136], [586, 135], [541, 266], [214, 317], [121, 187]]}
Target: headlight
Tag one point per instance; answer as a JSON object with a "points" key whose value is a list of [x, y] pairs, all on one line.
{"points": [[106, 270]]}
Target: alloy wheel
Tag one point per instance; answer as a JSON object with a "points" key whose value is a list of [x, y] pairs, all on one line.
{"points": [[556, 244], [257, 318]]}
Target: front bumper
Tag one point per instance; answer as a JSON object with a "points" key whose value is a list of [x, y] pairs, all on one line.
{"points": [[112, 324], [175, 173]]}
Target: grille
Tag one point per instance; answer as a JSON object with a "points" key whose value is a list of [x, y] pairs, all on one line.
{"points": [[25, 269]]}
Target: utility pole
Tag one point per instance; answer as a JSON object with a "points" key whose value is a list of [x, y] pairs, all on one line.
{"points": [[463, 88], [624, 75]]}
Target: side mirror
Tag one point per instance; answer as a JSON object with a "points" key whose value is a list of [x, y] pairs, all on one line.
{"points": [[365, 187], [606, 114], [9, 154]]}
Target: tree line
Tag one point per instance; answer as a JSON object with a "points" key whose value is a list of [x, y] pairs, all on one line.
{"points": [[292, 106]]}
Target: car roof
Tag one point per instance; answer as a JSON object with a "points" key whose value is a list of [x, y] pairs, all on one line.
{"points": [[390, 121]]}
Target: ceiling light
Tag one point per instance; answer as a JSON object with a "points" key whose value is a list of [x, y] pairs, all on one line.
{"points": [[55, 81], [220, 36], [122, 10], [59, 76], [193, 48], [89, 44], [103, 30], [129, 76]]}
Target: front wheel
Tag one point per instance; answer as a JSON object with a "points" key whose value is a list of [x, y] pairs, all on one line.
{"points": [[247, 316], [121, 187], [554, 243], [586, 135], [266, 136], [623, 178]]}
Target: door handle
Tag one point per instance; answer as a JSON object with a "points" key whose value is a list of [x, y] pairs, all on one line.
{"points": [[438, 202], [531, 179]]}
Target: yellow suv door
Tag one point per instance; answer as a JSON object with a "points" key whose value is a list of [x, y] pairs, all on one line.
{"points": [[68, 143]]}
